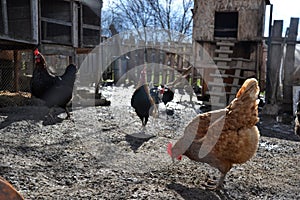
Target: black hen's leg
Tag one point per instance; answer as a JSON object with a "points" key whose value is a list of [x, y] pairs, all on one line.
{"points": [[50, 118], [143, 123], [51, 113], [146, 120], [68, 113]]}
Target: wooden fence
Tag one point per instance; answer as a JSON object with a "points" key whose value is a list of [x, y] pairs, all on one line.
{"points": [[280, 65], [121, 59]]}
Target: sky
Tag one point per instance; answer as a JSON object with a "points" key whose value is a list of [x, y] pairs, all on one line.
{"points": [[283, 10]]}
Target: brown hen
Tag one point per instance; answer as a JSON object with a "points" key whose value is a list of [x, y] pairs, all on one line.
{"points": [[223, 137], [8, 192]]}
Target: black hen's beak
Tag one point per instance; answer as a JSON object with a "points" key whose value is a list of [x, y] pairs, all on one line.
{"points": [[37, 58]]}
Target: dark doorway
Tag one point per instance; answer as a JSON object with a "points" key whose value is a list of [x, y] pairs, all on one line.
{"points": [[226, 24]]}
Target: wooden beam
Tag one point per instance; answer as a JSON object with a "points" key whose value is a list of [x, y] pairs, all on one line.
{"points": [[274, 59], [74, 15], [56, 21], [5, 16], [39, 22], [80, 28], [52, 49], [89, 26], [17, 61], [34, 20]]}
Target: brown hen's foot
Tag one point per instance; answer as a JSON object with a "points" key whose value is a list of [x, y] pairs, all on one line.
{"points": [[214, 184], [211, 186], [210, 181]]}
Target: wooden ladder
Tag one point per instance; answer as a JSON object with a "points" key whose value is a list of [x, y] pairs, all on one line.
{"points": [[218, 93], [224, 86]]}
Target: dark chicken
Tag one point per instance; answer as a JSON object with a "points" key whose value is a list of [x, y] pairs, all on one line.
{"points": [[223, 137], [42, 79], [54, 90], [167, 94], [154, 93], [142, 101]]}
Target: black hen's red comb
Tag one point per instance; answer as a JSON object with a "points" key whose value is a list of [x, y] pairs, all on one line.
{"points": [[36, 52]]}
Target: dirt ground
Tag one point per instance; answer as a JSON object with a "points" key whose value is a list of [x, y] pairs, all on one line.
{"points": [[99, 155]]}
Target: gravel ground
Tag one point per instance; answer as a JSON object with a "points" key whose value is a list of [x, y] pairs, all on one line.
{"points": [[98, 155]]}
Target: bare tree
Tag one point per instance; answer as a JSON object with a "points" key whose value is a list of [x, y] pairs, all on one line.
{"points": [[172, 15], [111, 16]]}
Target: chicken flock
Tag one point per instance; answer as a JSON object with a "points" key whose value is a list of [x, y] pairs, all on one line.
{"points": [[220, 138], [145, 100]]}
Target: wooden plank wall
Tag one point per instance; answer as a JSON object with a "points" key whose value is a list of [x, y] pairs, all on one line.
{"points": [[250, 22]]}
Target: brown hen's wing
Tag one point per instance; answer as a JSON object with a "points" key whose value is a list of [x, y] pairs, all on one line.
{"points": [[204, 128]]}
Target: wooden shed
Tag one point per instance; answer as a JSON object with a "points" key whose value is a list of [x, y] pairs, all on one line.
{"points": [[231, 31], [57, 27]]}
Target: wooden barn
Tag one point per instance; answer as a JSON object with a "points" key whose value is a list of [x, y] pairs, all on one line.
{"points": [[231, 31], [61, 29]]}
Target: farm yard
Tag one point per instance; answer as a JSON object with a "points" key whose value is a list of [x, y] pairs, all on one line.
{"points": [[106, 60], [101, 154]]}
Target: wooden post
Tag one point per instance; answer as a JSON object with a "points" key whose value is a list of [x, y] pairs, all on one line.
{"points": [[35, 20], [274, 59], [16, 70], [289, 67], [4, 16], [74, 17], [172, 68], [80, 26]]}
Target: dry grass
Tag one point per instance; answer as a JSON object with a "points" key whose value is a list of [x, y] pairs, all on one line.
{"points": [[17, 99]]}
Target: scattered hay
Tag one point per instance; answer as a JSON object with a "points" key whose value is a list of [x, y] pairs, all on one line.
{"points": [[8, 99]]}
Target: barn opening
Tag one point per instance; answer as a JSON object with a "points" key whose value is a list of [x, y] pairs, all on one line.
{"points": [[226, 24]]}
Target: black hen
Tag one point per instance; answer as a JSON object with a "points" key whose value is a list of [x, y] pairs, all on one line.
{"points": [[142, 101], [168, 94], [54, 90], [42, 79]]}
